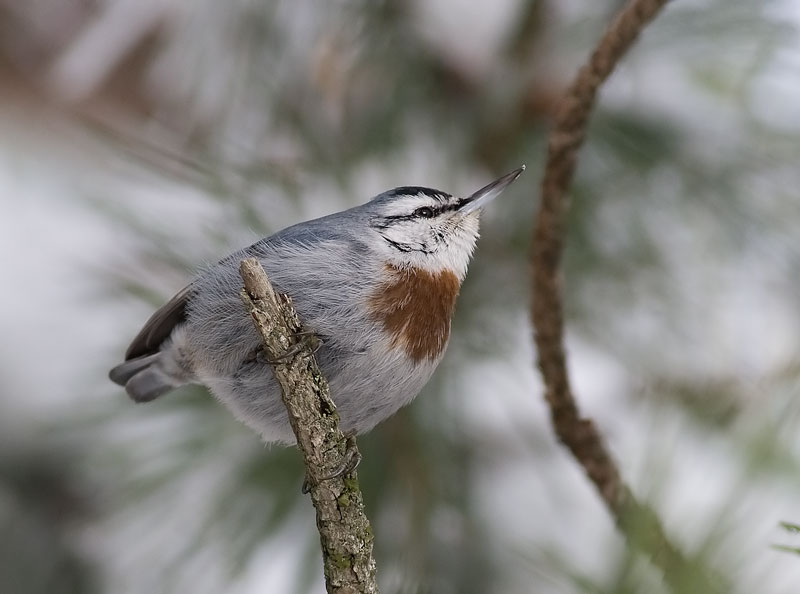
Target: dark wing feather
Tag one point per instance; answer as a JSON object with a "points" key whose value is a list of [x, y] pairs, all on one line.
{"points": [[159, 326]]}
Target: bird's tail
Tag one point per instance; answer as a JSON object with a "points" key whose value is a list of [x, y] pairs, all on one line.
{"points": [[143, 378]]}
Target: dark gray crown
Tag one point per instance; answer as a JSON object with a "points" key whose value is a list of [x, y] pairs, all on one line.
{"points": [[416, 191]]}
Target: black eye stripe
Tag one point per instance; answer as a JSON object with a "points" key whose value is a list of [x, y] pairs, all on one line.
{"points": [[413, 215], [387, 220]]}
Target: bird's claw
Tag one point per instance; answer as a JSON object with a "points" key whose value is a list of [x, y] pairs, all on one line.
{"points": [[350, 461], [305, 339]]}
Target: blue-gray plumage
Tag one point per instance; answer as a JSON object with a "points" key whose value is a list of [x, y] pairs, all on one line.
{"points": [[377, 283]]}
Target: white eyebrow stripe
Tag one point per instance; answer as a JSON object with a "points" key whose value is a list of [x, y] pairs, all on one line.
{"points": [[407, 204]]}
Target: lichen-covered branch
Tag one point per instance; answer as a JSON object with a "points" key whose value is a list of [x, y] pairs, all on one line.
{"points": [[344, 530], [640, 525]]}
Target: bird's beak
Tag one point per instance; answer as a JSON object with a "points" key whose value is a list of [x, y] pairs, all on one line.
{"points": [[488, 193]]}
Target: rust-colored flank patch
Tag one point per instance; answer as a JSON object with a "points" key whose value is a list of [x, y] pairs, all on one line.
{"points": [[415, 308]]}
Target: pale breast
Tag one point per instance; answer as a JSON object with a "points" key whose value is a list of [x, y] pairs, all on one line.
{"points": [[415, 308]]}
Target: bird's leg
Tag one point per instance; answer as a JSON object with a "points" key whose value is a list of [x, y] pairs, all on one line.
{"points": [[305, 339], [350, 461]]}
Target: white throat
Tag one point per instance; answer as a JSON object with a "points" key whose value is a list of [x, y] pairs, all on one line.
{"points": [[452, 253]]}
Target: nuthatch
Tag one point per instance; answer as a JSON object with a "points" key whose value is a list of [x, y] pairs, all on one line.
{"points": [[376, 283]]}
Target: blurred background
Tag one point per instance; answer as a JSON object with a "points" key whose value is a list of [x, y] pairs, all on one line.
{"points": [[141, 138]]}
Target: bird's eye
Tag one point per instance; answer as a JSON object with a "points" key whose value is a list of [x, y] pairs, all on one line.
{"points": [[425, 212]]}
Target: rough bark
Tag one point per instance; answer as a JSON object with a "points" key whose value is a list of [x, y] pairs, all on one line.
{"points": [[344, 530], [638, 522]]}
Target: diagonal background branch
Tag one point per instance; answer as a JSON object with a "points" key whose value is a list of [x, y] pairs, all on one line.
{"points": [[639, 523]]}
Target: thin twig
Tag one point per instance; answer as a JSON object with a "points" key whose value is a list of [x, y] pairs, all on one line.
{"points": [[344, 530], [639, 523]]}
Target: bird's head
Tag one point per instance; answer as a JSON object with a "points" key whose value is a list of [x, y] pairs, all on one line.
{"points": [[431, 230]]}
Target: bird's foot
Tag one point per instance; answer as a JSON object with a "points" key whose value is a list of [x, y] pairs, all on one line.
{"points": [[305, 339], [350, 461]]}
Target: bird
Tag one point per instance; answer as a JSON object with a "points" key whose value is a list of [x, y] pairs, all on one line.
{"points": [[377, 284]]}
